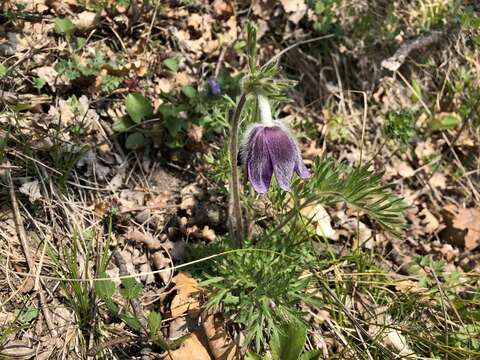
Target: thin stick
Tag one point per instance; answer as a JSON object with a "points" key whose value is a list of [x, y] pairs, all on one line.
{"points": [[237, 223], [24, 242]]}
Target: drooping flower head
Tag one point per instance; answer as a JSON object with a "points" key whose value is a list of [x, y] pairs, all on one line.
{"points": [[214, 86], [268, 148]]}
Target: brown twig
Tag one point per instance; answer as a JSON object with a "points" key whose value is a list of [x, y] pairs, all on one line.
{"points": [[394, 62], [22, 235]]}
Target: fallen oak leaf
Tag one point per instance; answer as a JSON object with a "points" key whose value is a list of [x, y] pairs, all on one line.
{"points": [[221, 347], [296, 9], [463, 226], [191, 348], [188, 294], [469, 220]]}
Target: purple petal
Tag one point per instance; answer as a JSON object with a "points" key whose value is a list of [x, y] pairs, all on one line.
{"points": [[301, 169], [259, 164], [247, 142], [283, 154], [214, 87]]}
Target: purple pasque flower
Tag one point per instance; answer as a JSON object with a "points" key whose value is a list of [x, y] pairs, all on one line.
{"points": [[215, 88], [269, 148]]}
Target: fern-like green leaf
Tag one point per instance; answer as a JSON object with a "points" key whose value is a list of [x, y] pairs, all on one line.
{"points": [[358, 186]]}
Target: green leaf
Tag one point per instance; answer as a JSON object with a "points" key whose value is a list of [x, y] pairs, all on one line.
{"points": [[104, 288], [417, 91], [26, 316], [211, 281], [171, 63], [445, 121], [361, 187], [289, 341], [131, 289], [189, 91], [3, 144], [135, 141], [3, 70], [39, 83], [122, 125], [161, 343], [111, 306], [252, 46], [64, 26], [253, 356], [154, 323], [138, 107], [131, 321], [310, 355]]}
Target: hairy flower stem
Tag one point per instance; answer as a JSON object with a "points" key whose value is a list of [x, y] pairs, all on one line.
{"points": [[236, 207]]}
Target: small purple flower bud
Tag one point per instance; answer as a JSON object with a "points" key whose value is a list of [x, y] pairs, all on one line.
{"points": [[268, 150], [215, 88]]}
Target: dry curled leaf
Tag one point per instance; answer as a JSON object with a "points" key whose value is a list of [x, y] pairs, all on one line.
{"points": [[17, 349], [430, 222], [296, 9], [320, 220], [191, 348], [187, 298], [32, 189], [469, 220], [86, 20], [221, 347]]}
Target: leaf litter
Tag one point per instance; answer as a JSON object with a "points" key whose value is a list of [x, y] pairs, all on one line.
{"points": [[158, 214]]}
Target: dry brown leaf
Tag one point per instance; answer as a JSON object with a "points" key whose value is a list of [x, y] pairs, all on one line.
{"points": [[145, 238], [429, 221], [296, 9], [160, 201], [311, 151], [388, 335], [231, 35], [32, 189], [86, 20], [403, 168], [424, 149], [223, 8], [364, 237], [164, 85], [191, 348], [187, 298], [321, 221], [183, 78], [438, 180], [208, 233], [17, 349], [188, 203], [221, 347], [408, 286], [469, 219], [195, 132], [160, 262], [263, 8], [47, 73]]}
